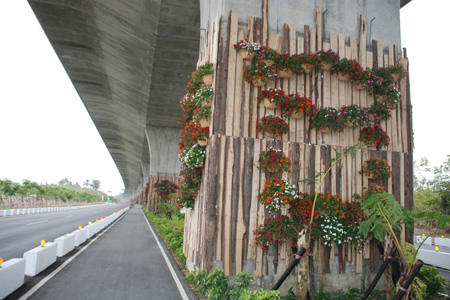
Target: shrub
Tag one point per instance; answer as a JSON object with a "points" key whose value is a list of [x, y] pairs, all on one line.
{"points": [[434, 283]]}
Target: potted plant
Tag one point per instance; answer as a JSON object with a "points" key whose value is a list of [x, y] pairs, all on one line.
{"points": [[279, 229], [376, 168], [355, 115], [273, 161], [202, 139], [327, 119], [310, 62], [284, 65], [295, 106], [276, 193], [203, 97], [246, 49], [397, 71], [384, 75], [203, 117], [206, 72], [374, 136], [259, 73], [193, 157], [380, 111], [271, 98], [347, 69], [266, 55], [327, 59], [272, 126]]}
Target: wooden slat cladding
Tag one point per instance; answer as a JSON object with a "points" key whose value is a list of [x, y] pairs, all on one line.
{"points": [[219, 229]]}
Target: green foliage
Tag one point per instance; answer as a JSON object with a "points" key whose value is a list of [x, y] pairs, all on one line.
{"points": [[350, 294], [215, 286], [55, 192], [434, 283], [384, 214], [170, 233]]}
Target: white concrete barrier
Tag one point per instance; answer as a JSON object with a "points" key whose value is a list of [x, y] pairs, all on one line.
{"points": [[12, 274], [90, 231], [442, 242], [39, 258], [65, 244], [435, 258]]}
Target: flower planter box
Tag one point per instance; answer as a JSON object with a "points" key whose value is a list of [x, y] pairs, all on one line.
{"points": [[343, 77], [208, 80], [307, 68], [285, 73], [325, 130], [245, 55], [203, 143], [297, 115], [396, 77], [359, 86], [350, 124], [268, 104], [326, 67], [269, 62], [204, 122], [206, 103], [260, 83]]}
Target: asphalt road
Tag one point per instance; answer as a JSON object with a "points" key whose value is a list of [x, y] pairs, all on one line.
{"points": [[19, 234], [124, 262]]}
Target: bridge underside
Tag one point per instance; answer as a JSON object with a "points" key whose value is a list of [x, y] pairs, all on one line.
{"points": [[128, 61]]}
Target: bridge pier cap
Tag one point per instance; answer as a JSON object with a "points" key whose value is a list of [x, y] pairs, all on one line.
{"points": [[341, 16]]}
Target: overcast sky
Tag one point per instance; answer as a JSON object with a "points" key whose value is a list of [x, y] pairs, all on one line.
{"points": [[46, 133]]}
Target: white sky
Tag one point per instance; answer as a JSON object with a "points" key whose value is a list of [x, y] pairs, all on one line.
{"points": [[46, 133]]}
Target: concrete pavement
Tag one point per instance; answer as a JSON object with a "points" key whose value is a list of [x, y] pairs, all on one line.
{"points": [[125, 262]]}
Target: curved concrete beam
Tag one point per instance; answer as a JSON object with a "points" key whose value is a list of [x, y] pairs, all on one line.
{"points": [[128, 61]]}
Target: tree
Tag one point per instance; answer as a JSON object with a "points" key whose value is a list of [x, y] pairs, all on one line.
{"points": [[86, 183], [95, 184], [65, 182]]}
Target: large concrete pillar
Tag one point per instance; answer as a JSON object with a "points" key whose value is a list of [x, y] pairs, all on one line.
{"points": [[226, 210]]}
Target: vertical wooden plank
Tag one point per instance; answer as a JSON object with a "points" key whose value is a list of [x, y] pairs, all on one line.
{"points": [[254, 204], [227, 205], [362, 40], [292, 80], [247, 193], [238, 105], [220, 202], [301, 123], [261, 218], [334, 85], [265, 20], [319, 26], [406, 123], [231, 74], [241, 229]]}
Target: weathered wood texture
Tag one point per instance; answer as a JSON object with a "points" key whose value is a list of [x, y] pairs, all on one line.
{"points": [[219, 229]]}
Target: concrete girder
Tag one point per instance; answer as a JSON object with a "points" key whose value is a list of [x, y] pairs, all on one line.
{"points": [[128, 61]]}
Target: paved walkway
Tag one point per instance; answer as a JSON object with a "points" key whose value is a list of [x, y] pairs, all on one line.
{"points": [[125, 262]]}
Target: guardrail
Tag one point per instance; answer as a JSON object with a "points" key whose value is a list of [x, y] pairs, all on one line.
{"points": [[34, 261], [440, 256], [38, 210]]}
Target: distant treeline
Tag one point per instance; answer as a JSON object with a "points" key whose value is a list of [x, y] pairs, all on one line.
{"points": [[32, 193]]}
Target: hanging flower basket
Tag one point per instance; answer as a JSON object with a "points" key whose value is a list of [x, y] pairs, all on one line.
{"points": [[272, 125], [273, 161], [395, 77], [268, 104], [206, 103], [326, 66], [277, 193], [204, 122], [285, 73], [246, 55], [376, 168], [269, 62], [297, 115], [343, 77], [260, 83], [208, 79], [359, 86], [307, 68], [202, 143]]}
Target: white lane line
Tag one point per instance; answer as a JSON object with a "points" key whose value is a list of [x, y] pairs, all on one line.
{"points": [[37, 222], [51, 275], [172, 271]]}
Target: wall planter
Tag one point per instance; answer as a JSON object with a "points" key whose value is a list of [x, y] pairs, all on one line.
{"points": [[343, 77], [204, 122], [202, 143], [245, 55], [268, 104], [326, 66], [208, 79], [285, 73]]}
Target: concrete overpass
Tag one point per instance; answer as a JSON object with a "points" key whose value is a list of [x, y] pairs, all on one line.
{"points": [[129, 62]]}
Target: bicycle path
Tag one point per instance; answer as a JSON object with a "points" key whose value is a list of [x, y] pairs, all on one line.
{"points": [[124, 262]]}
